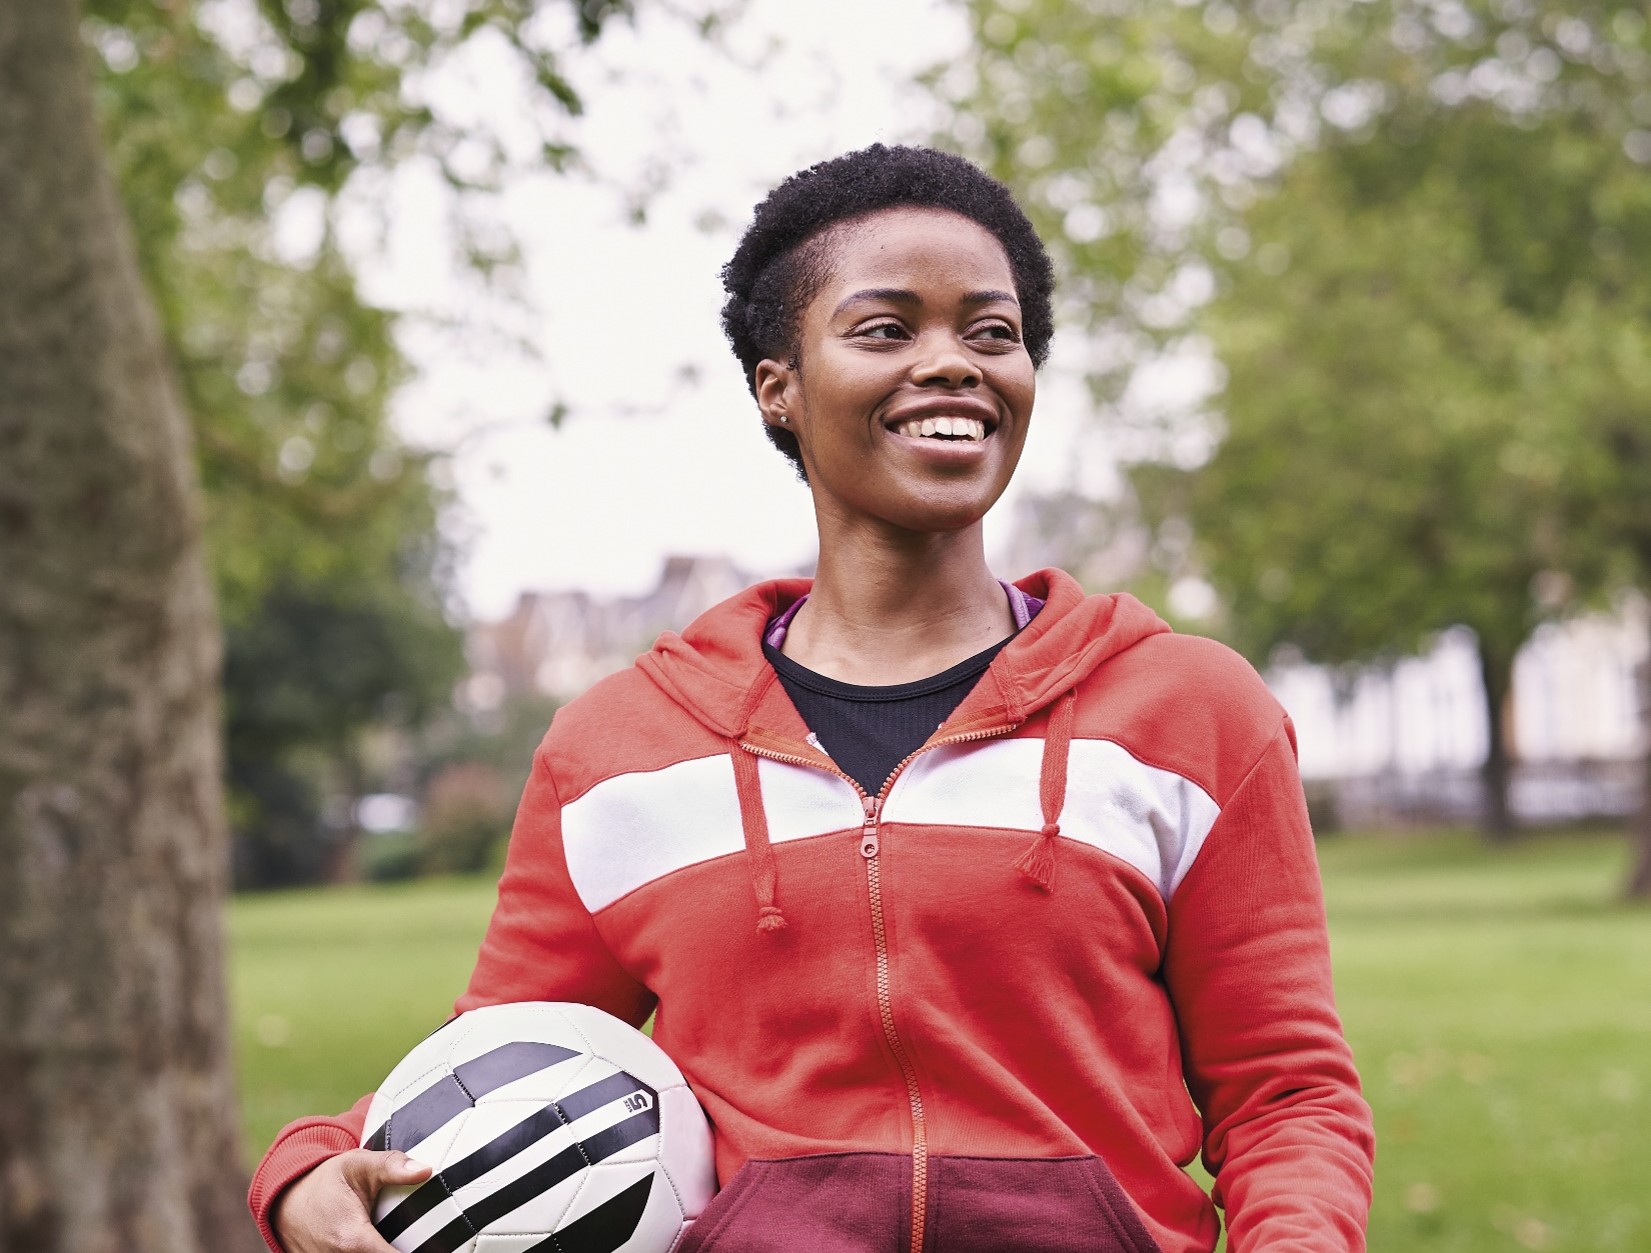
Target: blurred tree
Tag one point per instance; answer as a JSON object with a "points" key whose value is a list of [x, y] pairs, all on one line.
{"points": [[491, 737], [1594, 367], [117, 1123], [1398, 208], [1382, 474], [237, 131], [464, 820], [484, 747], [302, 677]]}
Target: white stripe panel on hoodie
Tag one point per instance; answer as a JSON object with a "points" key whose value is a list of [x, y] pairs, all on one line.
{"points": [[1152, 818], [632, 829]]}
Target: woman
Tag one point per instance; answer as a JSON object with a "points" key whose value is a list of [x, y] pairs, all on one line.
{"points": [[987, 986]]}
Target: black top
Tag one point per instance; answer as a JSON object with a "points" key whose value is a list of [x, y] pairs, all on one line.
{"points": [[868, 731]]}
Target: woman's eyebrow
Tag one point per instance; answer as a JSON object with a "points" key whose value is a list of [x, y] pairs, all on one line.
{"points": [[905, 296], [991, 298], [893, 295]]}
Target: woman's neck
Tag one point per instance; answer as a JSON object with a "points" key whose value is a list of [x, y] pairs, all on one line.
{"points": [[891, 607]]}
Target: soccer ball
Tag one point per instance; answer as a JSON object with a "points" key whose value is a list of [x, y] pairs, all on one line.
{"points": [[551, 1128]]}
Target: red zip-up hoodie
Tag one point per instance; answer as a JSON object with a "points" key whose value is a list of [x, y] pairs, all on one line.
{"points": [[1078, 936]]}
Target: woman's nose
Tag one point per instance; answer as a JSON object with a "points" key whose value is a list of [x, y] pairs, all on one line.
{"points": [[944, 363]]}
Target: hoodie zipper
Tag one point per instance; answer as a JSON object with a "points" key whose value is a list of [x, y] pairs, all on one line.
{"points": [[871, 845]]}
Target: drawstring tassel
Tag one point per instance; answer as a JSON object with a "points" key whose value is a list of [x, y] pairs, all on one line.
{"points": [[764, 875], [1038, 862]]}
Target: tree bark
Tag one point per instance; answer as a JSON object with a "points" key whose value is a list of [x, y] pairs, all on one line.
{"points": [[117, 1116], [1495, 774]]}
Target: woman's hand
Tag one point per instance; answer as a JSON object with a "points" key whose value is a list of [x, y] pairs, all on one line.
{"points": [[330, 1209]]}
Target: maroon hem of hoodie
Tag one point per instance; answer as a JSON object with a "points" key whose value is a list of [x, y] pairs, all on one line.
{"points": [[861, 1203]]}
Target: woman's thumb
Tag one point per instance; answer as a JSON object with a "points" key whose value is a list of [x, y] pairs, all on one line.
{"points": [[367, 1172], [399, 1168]]}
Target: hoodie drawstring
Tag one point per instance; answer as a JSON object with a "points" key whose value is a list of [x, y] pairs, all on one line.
{"points": [[764, 875], [1038, 862]]}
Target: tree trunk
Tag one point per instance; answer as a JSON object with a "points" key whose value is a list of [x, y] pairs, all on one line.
{"points": [[1496, 674], [117, 1116], [1639, 878]]}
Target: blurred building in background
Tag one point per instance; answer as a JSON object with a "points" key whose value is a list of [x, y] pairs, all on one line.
{"points": [[1402, 744], [557, 644]]}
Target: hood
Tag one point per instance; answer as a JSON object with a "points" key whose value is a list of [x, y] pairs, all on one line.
{"points": [[715, 669]]}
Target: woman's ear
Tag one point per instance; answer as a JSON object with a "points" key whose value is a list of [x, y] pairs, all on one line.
{"points": [[776, 392]]}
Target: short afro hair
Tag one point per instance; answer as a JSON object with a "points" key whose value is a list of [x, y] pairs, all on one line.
{"points": [[779, 265]]}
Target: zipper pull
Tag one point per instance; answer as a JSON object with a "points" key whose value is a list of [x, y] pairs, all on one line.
{"points": [[868, 829]]}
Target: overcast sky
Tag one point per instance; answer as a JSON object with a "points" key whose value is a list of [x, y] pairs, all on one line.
{"points": [[663, 452]]}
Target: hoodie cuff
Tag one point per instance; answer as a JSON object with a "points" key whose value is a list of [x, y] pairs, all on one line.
{"points": [[299, 1149]]}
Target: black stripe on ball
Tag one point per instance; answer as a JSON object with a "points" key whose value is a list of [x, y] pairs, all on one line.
{"points": [[518, 1192], [451, 1095], [606, 1227]]}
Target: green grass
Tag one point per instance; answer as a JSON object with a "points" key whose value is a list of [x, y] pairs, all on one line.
{"points": [[331, 987], [1499, 1002]]}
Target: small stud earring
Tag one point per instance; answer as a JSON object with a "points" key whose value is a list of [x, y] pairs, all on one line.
{"points": [[783, 418]]}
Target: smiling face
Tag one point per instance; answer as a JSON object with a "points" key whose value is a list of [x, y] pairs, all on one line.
{"points": [[911, 389]]}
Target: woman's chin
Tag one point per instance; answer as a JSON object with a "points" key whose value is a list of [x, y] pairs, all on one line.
{"points": [[941, 512], [912, 494]]}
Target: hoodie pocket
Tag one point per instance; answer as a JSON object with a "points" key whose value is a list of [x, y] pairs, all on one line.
{"points": [[1049, 1205], [830, 1203]]}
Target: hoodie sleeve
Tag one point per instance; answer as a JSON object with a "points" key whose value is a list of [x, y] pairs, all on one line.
{"points": [[541, 945], [1287, 1134]]}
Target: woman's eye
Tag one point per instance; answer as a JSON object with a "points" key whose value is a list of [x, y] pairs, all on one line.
{"points": [[884, 330], [998, 330]]}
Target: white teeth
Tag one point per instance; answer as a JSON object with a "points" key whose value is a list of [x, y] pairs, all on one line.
{"points": [[972, 429]]}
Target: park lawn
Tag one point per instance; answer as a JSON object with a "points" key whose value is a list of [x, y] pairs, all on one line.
{"points": [[1499, 1002]]}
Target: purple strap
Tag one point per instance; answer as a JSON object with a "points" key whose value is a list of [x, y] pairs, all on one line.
{"points": [[1023, 607], [774, 634]]}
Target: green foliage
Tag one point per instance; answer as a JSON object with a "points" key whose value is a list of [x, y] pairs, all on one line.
{"points": [[389, 857], [326, 666], [1096, 114], [302, 678], [1383, 472], [466, 816], [1496, 1001], [225, 118], [234, 128], [1412, 397], [1406, 230], [470, 767], [1593, 367], [502, 739]]}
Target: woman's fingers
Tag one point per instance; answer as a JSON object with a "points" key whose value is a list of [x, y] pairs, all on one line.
{"points": [[329, 1210], [368, 1172]]}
